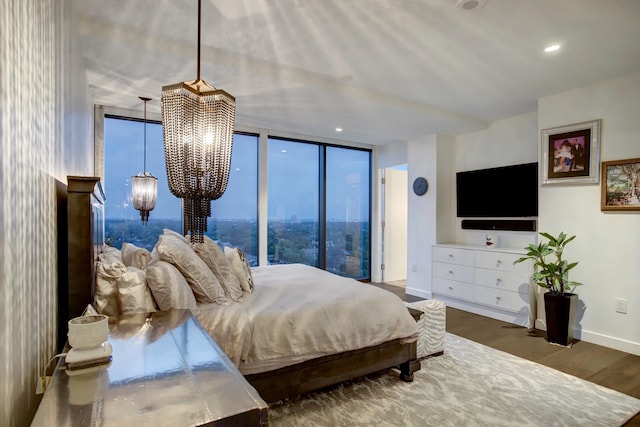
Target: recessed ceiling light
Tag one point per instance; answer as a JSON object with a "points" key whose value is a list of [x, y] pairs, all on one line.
{"points": [[283, 151], [552, 48], [338, 129]]}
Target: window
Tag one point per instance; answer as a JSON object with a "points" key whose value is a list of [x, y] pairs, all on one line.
{"points": [[318, 202], [314, 220], [233, 219], [124, 158], [234, 216], [347, 219], [293, 200]]}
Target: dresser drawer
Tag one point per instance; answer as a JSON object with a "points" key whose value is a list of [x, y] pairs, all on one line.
{"points": [[500, 261], [453, 289], [452, 255], [507, 280], [504, 300], [460, 273]]}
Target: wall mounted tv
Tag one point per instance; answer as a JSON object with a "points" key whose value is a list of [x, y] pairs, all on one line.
{"points": [[502, 192]]}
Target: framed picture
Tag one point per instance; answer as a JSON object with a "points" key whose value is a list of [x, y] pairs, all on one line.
{"points": [[621, 185], [571, 154]]}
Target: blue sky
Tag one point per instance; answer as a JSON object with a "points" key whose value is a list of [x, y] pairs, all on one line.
{"points": [[293, 177]]}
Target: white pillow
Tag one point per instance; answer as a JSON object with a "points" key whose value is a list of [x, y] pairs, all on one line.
{"points": [[215, 259], [175, 234], [134, 256], [241, 267], [108, 271], [203, 282], [110, 249], [169, 287], [133, 293]]}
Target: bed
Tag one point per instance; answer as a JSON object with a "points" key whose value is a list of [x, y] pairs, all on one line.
{"points": [[283, 323], [283, 350]]}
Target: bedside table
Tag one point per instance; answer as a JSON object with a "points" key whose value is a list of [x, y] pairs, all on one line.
{"points": [[166, 371]]}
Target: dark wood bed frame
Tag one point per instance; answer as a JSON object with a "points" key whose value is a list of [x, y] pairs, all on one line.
{"points": [[81, 234]]}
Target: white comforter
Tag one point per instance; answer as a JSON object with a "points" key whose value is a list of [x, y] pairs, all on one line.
{"points": [[298, 312]]}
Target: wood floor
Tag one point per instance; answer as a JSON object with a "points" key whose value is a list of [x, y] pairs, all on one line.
{"points": [[601, 365]]}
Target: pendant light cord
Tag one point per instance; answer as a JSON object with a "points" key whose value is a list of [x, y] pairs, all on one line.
{"points": [[199, 20], [144, 170]]}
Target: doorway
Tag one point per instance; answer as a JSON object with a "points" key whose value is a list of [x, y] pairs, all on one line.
{"points": [[394, 224]]}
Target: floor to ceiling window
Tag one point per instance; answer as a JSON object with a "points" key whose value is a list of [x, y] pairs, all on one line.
{"points": [[123, 153], [347, 211], [318, 198], [319, 206], [234, 216], [293, 197], [233, 219]]}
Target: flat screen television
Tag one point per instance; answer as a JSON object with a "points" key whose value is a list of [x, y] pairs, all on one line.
{"points": [[502, 192]]}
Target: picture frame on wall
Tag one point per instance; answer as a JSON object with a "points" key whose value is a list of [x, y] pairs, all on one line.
{"points": [[621, 185], [571, 154]]}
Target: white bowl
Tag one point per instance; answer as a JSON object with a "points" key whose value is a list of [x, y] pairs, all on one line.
{"points": [[87, 332]]}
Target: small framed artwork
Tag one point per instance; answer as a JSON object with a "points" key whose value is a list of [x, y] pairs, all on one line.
{"points": [[571, 154], [621, 185]]}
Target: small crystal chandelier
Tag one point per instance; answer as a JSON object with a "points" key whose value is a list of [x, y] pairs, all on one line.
{"points": [[144, 186], [197, 123]]}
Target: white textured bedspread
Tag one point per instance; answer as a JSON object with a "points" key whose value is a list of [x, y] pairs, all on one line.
{"points": [[297, 312]]}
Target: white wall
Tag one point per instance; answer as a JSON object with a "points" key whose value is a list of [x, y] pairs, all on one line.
{"points": [[46, 134], [426, 214], [607, 244], [511, 141]]}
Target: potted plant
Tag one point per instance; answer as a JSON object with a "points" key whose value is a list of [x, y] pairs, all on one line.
{"points": [[551, 271]]}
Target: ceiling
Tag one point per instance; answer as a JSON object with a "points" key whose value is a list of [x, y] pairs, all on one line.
{"points": [[382, 70]]}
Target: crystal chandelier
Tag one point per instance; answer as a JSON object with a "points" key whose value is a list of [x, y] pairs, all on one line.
{"points": [[144, 186], [197, 123]]}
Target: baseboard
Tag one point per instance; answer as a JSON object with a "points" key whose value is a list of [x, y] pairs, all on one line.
{"points": [[417, 293], [599, 339], [608, 341]]}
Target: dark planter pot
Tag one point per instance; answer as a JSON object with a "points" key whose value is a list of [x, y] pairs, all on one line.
{"points": [[560, 312]]}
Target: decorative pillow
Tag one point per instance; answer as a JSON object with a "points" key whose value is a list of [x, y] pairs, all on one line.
{"points": [[169, 287], [109, 270], [170, 232], [203, 282], [133, 293], [134, 256], [241, 267], [216, 260], [110, 249]]}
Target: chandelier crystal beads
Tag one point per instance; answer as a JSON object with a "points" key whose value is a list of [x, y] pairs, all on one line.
{"points": [[144, 186], [197, 123]]}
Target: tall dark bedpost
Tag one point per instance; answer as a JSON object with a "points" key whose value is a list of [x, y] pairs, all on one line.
{"points": [[85, 236]]}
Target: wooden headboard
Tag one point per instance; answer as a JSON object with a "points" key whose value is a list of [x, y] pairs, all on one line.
{"points": [[80, 240]]}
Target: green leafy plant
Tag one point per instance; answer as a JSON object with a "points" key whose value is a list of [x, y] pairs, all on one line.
{"points": [[551, 271]]}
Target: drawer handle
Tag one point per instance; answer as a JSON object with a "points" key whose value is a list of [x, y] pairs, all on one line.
{"points": [[498, 262], [498, 281], [498, 299], [450, 255], [450, 288], [451, 272]]}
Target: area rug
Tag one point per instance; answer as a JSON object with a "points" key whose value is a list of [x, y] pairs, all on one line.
{"points": [[469, 385]]}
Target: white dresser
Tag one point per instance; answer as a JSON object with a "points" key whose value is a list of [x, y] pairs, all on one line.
{"points": [[483, 281]]}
